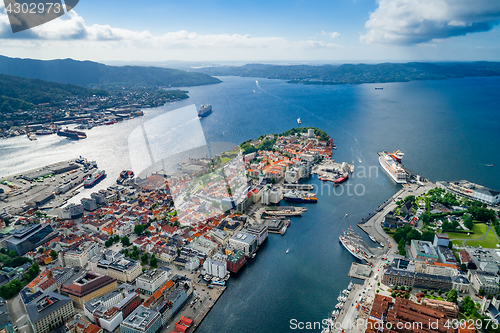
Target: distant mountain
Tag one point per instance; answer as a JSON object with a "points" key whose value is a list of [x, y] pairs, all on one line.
{"points": [[88, 73], [359, 73], [23, 93]]}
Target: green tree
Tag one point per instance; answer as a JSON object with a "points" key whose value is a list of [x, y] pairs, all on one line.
{"points": [[469, 224], [450, 245], [463, 267], [144, 258], [6, 221], [426, 218], [125, 241], [108, 243], [482, 292], [452, 296], [12, 254], [410, 288], [153, 261], [53, 254], [41, 250], [139, 228], [401, 247]]}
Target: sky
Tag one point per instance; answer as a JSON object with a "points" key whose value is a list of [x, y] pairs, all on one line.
{"points": [[258, 31]]}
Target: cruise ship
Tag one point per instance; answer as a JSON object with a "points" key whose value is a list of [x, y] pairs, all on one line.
{"points": [[205, 110], [351, 243], [94, 179], [294, 196], [393, 168]]}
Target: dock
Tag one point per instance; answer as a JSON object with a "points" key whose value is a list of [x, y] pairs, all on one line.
{"points": [[360, 271]]}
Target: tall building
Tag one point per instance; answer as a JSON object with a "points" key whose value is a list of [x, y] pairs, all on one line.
{"points": [[258, 230], [245, 242], [215, 267], [49, 311], [79, 256], [26, 239], [115, 265], [142, 320], [89, 286], [151, 281], [109, 310]]}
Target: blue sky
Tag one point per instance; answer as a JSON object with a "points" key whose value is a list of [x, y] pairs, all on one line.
{"points": [[273, 30]]}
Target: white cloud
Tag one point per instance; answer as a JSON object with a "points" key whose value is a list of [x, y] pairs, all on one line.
{"points": [[332, 35], [419, 21], [72, 27]]}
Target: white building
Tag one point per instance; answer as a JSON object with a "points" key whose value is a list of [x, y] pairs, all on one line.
{"points": [[151, 281], [80, 256], [245, 242], [89, 204], [291, 176], [258, 230], [71, 211], [215, 267]]}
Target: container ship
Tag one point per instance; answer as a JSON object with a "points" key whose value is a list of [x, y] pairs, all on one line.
{"points": [[94, 178], [351, 242], [205, 110], [294, 196], [393, 168], [76, 135]]}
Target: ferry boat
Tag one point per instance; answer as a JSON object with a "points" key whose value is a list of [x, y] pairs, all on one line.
{"points": [[294, 196], [205, 110], [397, 155], [393, 168], [94, 178]]}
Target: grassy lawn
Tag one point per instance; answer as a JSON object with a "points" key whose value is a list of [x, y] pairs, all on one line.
{"points": [[479, 230], [489, 242], [434, 297]]}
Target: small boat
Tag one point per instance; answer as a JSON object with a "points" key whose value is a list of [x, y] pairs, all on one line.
{"points": [[345, 215], [299, 122], [286, 251], [490, 165], [379, 88]]}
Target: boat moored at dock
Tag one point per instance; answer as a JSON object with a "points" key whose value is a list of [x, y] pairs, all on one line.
{"points": [[392, 167]]}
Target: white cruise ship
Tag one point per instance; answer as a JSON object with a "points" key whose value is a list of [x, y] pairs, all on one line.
{"points": [[393, 168]]}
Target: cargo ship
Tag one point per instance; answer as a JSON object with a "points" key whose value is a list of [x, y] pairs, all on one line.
{"points": [[351, 243], [294, 196], [341, 179], [95, 178], [392, 167], [76, 135], [205, 110], [397, 155]]}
